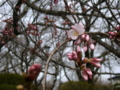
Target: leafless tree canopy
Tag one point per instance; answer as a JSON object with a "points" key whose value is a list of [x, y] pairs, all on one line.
{"points": [[34, 31]]}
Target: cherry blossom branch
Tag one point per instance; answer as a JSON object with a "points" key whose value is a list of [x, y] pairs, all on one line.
{"points": [[47, 63]]}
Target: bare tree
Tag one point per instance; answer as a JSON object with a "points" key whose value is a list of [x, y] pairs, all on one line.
{"points": [[35, 31]]}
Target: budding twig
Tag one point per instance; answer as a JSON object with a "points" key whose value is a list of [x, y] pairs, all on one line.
{"points": [[47, 63]]}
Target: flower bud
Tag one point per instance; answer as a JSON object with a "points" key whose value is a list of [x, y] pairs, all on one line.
{"points": [[35, 69], [96, 64], [74, 52], [78, 49], [84, 75], [77, 42], [83, 36], [92, 46], [96, 59], [112, 33], [87, 37], [20, 87], [88, 71], [85, 48]]}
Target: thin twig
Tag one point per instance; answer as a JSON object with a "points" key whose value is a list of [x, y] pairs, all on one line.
{"points": [[47, 63]]}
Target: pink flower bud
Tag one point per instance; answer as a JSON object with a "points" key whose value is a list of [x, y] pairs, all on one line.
{"points": [[88, 71], [35, 69], [87, 37], [84, 75], [83, 36], [74, 52], [33, 72], [78, 49], [96, 59], [75, 57], [69, 54], [92, 46], [112, 33], [70, 57], [77, 42], [96, 64], [85, 48]]}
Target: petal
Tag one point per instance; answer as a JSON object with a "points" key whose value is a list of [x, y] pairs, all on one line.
{"points": [[81, 25], [72, 35], [79, 28]]}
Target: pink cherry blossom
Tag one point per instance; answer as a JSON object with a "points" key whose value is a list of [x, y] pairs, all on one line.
{"points": [[86, 73], [77, 29]]}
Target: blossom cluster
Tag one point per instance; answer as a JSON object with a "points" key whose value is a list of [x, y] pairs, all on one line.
{"points": [[77, 33], [32, 29], [115, 34], [33, 72], [7, 31]]}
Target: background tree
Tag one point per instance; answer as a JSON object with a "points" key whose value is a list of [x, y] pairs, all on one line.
{"points": [[35, 31]]}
